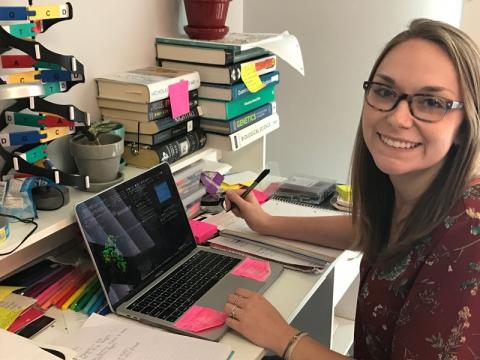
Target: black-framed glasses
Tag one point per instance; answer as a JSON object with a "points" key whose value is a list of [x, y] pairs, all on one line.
{"points": [[424, 107]]}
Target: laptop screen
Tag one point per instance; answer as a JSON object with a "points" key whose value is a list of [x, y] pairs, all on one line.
{"points": [[135, 230]]}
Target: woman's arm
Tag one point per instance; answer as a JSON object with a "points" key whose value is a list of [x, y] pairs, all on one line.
{"points": [[331, 231]]}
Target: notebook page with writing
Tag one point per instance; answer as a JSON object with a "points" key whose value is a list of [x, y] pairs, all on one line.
{"points": [[238, 228]]}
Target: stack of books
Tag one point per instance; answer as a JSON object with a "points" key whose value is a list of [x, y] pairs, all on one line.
{"points": [[139, 99], [232, 115]]}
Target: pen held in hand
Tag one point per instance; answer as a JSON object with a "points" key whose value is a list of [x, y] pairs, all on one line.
{"points": [[255, 182]]}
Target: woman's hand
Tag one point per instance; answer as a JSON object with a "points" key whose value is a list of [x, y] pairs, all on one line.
{"points": [[249, 209], [250, 314]]}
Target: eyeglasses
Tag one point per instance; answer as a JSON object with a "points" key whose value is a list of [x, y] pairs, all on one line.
{"points": [[424, 107]]}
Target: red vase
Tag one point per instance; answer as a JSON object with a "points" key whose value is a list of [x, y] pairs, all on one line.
{"points": [[206, 19]]}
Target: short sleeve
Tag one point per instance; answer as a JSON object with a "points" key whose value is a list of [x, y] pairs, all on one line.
{"points": [[441, 316]]}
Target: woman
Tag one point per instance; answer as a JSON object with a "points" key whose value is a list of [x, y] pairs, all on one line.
{"points": [[416, 210]]}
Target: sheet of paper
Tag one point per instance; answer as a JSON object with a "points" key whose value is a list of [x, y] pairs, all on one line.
{"points": [[103, 338], [15, 347], [12, 306], [253, 269], [7, 290], [287, 48]]}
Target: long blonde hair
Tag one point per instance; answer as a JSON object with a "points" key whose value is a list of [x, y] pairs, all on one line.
{"points": [[373, 195]]}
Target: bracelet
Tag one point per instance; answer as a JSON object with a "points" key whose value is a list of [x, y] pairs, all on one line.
{"points": [[292, 343]]}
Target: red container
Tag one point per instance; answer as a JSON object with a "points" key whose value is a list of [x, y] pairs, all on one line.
{"points": [[206, 18]]}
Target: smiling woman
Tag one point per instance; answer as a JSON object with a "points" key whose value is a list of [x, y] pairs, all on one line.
{"points": [[416, 200]]}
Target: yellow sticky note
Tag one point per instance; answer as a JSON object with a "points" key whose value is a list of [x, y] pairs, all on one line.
{"points": [[7, 290], [8, 316], [345, 192], [251, 78], [45, 12], [23, 77], [226, 186]]}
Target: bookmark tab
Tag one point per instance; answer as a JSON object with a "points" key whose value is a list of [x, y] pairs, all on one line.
{"points": [[199, 318], [253, 269], [250, 77], [179, 102]]}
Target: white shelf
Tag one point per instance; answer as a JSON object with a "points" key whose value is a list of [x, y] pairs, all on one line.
{"points": [[342, 334]]}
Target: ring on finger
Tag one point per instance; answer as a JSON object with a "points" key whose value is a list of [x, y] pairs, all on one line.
{"points": [[233, 311]]}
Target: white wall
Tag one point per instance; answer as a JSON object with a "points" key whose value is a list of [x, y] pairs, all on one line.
{"points": [[340, 40], [470, 20], [111, 35]]}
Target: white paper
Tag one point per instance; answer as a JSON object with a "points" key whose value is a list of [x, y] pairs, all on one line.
{"points": [[103, 338], [287, 48], [16, 347]]}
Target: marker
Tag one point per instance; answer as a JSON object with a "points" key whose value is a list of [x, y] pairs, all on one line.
{"points": [[251, 187]]}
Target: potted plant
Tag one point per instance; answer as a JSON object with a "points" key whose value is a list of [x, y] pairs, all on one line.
{"points": [[206, 19], [97, 151]]}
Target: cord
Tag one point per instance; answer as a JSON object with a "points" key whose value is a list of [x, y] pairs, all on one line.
{"points": [[25, 221]]}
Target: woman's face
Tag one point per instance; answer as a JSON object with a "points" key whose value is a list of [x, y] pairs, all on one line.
{"points": [[399, 143]]}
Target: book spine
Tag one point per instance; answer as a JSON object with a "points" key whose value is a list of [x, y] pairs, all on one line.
{"points": [[175, 131], [181, 147], [231, 126], [167, 122], [249, 102], [162, 108], [240, 90], [254, 132]]}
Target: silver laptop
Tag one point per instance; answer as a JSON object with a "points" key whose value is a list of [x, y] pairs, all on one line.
{"points": [[143, 249]]}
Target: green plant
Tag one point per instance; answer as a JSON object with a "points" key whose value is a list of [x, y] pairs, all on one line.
{"points": [[93, 131]]}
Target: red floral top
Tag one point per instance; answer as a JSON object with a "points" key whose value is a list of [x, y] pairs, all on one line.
{"points": [[426, 306]]}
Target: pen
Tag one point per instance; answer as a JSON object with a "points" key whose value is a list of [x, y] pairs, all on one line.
{"points": [[251, 187]]}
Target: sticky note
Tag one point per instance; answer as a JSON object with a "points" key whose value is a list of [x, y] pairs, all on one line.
{"points": [[261, 196], [202, 231], [253, 269], [250, 78], [6, 290], [178, 94], [199, 318]]}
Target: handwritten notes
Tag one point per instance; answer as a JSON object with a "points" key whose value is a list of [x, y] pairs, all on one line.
{"points": [[178, 94], [199, 318], [103, 338], [253, 269]]}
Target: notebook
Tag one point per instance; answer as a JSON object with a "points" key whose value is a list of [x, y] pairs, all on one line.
{"points": [[144, 252]]}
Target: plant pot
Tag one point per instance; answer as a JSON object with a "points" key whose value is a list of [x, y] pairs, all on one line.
{"points": [[206, 19], [100, 162]]}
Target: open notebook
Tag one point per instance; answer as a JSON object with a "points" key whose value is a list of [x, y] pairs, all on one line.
{"points": [[238, 237]]}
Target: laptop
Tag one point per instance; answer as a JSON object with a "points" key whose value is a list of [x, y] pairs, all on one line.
{"points": [[145, 255]]}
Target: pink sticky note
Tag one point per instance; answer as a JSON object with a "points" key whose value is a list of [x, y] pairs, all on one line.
{"points": [[178, 94], [202, 231], [260, 195], [253, 269], [199, 318]]}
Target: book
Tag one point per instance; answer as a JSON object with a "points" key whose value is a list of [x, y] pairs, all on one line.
{"points": [[153, 110], [238, 123], [305, 189], [155, 126], [244, 136], [235, 91], [144, 85], [140, 116], [171, 151], [232, 41], [164, 135], [233, 227], [230, 74], [203, 55], [227, 110]]}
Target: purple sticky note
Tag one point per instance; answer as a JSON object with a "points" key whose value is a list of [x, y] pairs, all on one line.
{"points": [[199, 318], [253, 269], [178, 94]]}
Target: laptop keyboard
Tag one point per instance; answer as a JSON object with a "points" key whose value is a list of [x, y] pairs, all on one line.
{"points": [[170, 298]]}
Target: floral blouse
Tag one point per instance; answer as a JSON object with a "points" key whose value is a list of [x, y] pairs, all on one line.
{"points": [[427, 306]]}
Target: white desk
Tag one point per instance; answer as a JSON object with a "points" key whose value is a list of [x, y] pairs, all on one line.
{"points": [[307, 301]]}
